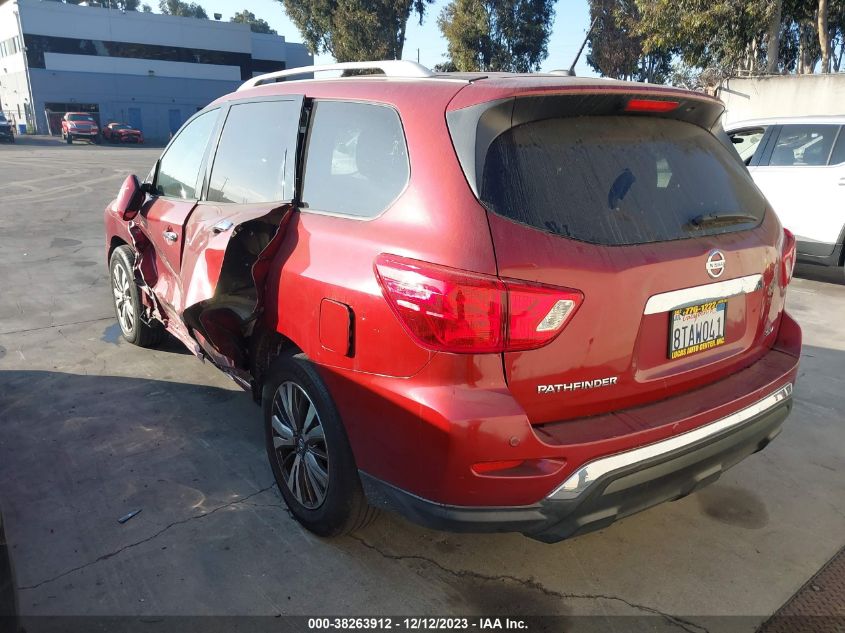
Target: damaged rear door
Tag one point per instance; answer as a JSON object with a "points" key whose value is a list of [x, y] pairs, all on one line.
{"points": [[236, 228]]}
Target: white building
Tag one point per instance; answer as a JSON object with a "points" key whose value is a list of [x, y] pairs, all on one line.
{"points": [[152, 71]]}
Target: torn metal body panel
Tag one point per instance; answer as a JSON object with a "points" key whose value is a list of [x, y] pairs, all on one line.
{"points": [[225, 266], [209, 293]]}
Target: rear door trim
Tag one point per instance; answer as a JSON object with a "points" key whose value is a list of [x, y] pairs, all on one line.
{"points": [[675, 299]]}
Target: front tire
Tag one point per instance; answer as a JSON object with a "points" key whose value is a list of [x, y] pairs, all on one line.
{"points": [[127, 304], [68, 139], [309, 451]]}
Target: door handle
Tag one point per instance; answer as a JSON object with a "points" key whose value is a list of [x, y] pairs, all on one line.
{"points": [[222, 225], [170, 236]]}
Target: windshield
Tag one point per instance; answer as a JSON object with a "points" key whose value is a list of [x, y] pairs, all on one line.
{"points": [[618, 180], [121, 126], [80, 117]]}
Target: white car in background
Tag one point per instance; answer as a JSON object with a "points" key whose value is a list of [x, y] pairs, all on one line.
{"points": [[799, 164]]}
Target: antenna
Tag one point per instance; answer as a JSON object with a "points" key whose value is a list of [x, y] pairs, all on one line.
{"points": [[583, 44]]}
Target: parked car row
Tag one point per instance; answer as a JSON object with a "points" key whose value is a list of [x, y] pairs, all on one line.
{"points": [[520, 303], [83, 126]]}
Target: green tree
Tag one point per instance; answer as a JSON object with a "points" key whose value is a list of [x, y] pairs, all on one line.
{"points": [[747, 36], [497, 35], [616, 45], [354, 30], [256, 25], [812, 35], [183, 9], [836, 24], [146, 8]]}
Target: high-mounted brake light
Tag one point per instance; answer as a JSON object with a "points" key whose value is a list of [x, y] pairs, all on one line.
{"points": [[452, 310], [650, 105], [788, 255]]}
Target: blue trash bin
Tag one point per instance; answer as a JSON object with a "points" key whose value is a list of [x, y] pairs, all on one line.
{"points": [[21, 128]]}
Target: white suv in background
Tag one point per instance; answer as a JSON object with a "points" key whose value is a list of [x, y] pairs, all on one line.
{"points": [[799, 164]]}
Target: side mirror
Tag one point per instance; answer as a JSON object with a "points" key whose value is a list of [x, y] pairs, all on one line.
{"points": [[130, 198]]}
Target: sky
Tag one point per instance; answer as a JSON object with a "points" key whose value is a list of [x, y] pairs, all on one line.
{"points": [[570, 26]]}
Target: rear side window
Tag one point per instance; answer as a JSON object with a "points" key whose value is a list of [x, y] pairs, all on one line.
{"points": [[618, 180], [357, 160], [838, 155], [180, 165], [256, 154], [803, 145]]}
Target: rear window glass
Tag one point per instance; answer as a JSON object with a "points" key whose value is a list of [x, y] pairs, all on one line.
{"points": [[838, 155], [357, 161], [618, 180], [803, 145]]}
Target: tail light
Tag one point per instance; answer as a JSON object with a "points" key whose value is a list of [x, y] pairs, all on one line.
{"points": [[650, 105], [787, 257], [451, 310]]}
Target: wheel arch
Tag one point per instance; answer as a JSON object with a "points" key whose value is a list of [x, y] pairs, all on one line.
{"points": [[266, 345], [114, 243]]}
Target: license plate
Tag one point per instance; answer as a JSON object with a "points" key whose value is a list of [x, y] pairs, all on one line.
{"points": [[697, 328]]}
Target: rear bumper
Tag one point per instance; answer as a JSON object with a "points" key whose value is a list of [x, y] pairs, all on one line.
{"points": [[612, 487]]}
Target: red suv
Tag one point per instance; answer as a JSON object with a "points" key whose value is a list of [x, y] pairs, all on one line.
{"points": [[501, 302]]}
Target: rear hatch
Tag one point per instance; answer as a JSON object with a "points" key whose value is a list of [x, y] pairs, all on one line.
{"points": [[639, 203]]}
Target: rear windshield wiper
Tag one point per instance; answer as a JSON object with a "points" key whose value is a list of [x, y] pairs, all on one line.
{"points": [[721, 219]]}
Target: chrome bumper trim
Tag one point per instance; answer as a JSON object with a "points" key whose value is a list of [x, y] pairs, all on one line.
{"points": [[588, 474], [701, 294]]}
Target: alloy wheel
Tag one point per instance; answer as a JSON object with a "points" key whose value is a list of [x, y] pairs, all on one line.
{"points": [[300, 445], [123, 299]]}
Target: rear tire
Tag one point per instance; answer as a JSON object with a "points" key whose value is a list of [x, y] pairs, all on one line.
{"points": [[309, 451], [127, 304]]}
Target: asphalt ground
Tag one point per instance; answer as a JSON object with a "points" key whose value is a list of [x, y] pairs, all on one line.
{"points": [[92, 428]]}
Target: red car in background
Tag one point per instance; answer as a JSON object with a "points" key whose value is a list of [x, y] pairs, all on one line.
{"points": [[122, 133], [80, 125], [502, 302]]}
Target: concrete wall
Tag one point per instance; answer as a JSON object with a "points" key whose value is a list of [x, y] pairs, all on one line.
{"points": [[299, 56], [786, 95], [269, 46]]}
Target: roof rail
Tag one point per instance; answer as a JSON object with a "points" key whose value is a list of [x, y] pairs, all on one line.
{"points": [[391, 68]]}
